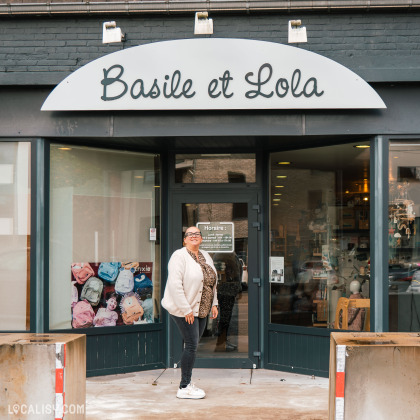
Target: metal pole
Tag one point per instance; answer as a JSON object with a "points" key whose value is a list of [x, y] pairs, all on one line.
{"points": [[379, 234], [38, 230]]}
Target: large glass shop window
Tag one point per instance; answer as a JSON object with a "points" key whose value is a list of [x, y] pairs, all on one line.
{"points": [[15, 217], [104, 238], [404, 236], [319, 237]]}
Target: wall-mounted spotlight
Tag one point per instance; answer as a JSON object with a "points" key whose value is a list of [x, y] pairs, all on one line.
{"points": [[297, 32], [110, 33], [203, 25]]}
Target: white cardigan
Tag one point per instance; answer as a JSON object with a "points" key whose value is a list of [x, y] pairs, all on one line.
{"points": [[185, 284]]}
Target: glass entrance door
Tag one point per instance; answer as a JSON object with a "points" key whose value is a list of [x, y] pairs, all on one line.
{"points": [[230, 238]]}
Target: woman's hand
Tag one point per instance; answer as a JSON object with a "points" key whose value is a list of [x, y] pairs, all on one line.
{"points": [[214, 312], [189, 318]]}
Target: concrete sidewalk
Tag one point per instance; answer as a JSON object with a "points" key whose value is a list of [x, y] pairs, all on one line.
{"points": [[231, 393]]}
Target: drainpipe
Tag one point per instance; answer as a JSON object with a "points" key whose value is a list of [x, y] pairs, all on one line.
{"points": [[173, 7]]}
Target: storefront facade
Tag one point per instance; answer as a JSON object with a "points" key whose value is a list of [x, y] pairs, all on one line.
{"points": [[300, 204]]}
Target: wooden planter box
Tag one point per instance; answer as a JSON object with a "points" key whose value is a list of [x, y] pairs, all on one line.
{"points": [[374, 376], [43, 376]]}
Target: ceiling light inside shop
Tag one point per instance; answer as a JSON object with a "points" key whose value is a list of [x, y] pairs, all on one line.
{"points": [[157, 186], [277, 194], [362, 146], [366, 199], [281, 176], [284, 163], [139, 176], [276, 199], [64, 148], [279, 186], [365, 185]]}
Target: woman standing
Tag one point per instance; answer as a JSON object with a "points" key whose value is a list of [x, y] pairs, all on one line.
{"points": [[190, 295]]}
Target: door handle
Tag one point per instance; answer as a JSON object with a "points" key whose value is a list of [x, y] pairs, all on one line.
{"points": [[256, 281], [257, 225]]}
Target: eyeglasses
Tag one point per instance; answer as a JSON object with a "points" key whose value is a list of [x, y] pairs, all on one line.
{"points": [[193, 234]]}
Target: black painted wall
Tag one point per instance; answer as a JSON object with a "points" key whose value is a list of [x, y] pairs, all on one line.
{"points": [[108, 354], [298, 350], [20, 116], [380, 46]]}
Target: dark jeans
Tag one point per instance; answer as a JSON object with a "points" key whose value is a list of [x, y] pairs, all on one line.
{"points": [[191, 333], [226, 304]]}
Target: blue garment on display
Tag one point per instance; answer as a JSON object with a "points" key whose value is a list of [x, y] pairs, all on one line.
{"points": [[148, 310], [141, 281], [108, 271]]}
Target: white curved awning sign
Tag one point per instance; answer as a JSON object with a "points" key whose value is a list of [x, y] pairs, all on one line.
{"points": [[212, 74]]}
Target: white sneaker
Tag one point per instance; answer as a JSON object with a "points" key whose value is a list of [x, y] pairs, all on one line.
{"points": [[191, 391]]}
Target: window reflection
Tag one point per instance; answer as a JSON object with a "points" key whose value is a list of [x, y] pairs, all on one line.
{"points": [[403, 236], [215, 168], [15, 227], [319, 237]]}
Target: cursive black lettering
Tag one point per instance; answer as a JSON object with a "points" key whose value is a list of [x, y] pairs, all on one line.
{"points": [[251, 94], [107, 81], [165, 85], [295, 83], [153, 93], [225, 79], [212, 88], [176, 78], [214, 84], [314, 88], [283, 84], [133, 87], [186, 88], [174, 85]]}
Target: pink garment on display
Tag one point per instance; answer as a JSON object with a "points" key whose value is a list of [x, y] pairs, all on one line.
{"points": [[105, 318]]}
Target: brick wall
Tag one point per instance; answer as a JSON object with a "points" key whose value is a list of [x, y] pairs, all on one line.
{"points": [[379, 46]]}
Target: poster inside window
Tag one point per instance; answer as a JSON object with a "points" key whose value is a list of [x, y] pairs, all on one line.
{"points": [[109, 294]]}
